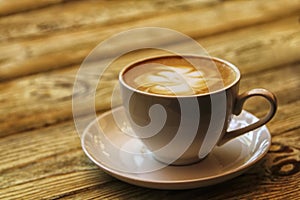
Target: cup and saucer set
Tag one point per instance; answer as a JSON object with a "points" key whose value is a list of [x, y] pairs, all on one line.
{"points": [[118, 143]]}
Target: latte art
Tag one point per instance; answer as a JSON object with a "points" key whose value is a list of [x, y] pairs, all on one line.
{"points": [[170, 80], [178, 77]]}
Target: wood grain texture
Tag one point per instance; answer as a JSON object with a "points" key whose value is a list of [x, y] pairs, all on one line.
{"points": [[48, 96], [52, 158], [43, 43], [41, 160], [48, 163], [89, 13], [9, 7], [64, 48]]}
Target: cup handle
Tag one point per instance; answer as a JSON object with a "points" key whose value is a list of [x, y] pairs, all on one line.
{"points": [[239, 107]]}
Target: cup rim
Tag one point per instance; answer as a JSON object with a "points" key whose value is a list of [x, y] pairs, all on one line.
{"points": [[232, 66]]}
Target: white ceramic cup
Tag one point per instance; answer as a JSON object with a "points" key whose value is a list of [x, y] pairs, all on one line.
{"points": [[183, 129]]}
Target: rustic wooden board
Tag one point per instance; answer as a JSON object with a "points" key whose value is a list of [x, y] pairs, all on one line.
{"points": [[49, 155], [90, 13], [9, 7], [43, 43], [47, 98], [48, 163], [28, 55]]}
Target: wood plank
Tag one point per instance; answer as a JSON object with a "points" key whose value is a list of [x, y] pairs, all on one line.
{"points": [[263, 181], [116, 190], [286, 119], [45, 143], [86, 180], [8, 7], [51, 158], [90, 13], [61, 143], [53, 186], [31, 55], [47, 98], [48, 163], [272, 81], [233, 47], [258, 48]]}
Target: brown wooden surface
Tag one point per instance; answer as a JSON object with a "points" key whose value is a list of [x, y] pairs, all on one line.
{"points": [[43, 43]]}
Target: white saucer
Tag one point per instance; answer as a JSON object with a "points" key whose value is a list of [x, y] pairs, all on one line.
{"points": [[106, 143]]}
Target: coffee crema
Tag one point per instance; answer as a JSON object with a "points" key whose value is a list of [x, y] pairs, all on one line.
{"points": [[178, 76]]}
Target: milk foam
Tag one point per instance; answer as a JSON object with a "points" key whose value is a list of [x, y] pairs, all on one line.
{"points": [[177, 76], [170, 80]]}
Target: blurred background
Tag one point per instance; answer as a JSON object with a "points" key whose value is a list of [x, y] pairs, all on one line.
{"points": [[43, 44]]}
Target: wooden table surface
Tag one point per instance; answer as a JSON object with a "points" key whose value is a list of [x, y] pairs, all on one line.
{"points": [[43, 43]]}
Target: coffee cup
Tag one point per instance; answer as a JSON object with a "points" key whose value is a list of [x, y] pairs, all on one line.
{"points": [[181, 106]]}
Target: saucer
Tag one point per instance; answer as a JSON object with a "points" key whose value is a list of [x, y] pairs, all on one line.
{"points": [[108, 141]]}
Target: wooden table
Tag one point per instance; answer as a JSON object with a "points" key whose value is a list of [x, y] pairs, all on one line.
{"points": [[43, 43]]}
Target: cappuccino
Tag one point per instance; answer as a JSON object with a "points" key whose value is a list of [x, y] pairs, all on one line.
{"points": [[179, 76], [180, 106]]}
